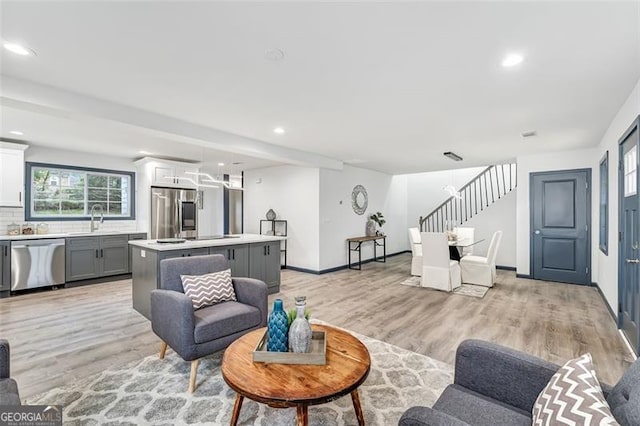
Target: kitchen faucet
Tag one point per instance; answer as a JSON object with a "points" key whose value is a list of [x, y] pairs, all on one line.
{"points": [[93, 208]]}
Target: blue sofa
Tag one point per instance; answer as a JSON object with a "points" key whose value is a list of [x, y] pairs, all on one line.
{"points": [[494, 385], [8, 387]]}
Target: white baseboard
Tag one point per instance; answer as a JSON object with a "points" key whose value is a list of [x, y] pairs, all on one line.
{"points": [[629, 347]]}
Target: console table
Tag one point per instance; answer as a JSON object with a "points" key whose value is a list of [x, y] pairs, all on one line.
{"points": [[355, 244]]}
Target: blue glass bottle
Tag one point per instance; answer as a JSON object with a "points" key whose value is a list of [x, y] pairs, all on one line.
{"points": [[278, 329]]}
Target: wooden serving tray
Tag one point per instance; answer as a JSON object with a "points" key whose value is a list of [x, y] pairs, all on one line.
{"points": [[317, 355]]}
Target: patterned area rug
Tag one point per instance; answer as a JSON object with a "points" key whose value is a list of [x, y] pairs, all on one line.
{"points": [[153, 392], [465, 289]]}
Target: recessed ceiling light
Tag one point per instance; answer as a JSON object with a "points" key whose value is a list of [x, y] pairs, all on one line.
{"points": [[220, 164], [528, 133], [278, 130], [18, 49], [274, 55], [16, 132], [512, 60]]}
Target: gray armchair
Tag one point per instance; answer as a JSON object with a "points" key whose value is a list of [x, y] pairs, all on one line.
{"points": [[8, 387], [194, 334], [494, 385]]}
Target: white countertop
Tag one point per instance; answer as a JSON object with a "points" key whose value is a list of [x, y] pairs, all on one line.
{"points": [[190, 244], [66, 235]]}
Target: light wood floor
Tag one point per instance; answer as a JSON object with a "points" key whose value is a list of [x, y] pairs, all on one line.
{"points": [[62, 335]]}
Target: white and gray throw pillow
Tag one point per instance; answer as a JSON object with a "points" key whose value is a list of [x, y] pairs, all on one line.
{"points": [[574, 397], [209, 289]]}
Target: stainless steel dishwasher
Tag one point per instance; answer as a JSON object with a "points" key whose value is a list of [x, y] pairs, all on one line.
{"points": [[37, 263]]}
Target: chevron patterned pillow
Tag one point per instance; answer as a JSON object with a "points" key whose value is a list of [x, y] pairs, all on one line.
{"points": [[574, 397], [209, 289]]}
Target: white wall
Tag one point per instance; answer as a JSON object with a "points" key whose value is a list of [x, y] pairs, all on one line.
{"points": [[425, 193], [338, 221], [10, 215], [607, 265], [293, 193], [425, 190], [500, 216], [562, 160]]}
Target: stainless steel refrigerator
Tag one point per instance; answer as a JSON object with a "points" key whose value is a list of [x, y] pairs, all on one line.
{"points": [[173, 213]]}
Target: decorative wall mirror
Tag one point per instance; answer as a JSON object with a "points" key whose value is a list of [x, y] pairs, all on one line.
{"points": [[359, 199]]}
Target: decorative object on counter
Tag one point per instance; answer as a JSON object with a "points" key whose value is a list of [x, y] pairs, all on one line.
{"points": [[28, 229], [42, 229], [370, 230], [300, 330], [271, 215], [451, 236], [277, 328], [13, 229], [359, 199], [376, 218]]}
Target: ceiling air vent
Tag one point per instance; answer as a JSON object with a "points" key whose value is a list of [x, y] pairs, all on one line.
{"points": [[528, 134]]}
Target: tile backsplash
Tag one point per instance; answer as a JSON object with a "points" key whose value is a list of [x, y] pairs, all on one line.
{"points": [[9, 215]]}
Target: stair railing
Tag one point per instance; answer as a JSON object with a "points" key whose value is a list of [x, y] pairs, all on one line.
{"points": [[486, 188]]}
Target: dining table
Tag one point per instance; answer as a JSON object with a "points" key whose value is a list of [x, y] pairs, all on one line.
{"points": [[456, 246]]}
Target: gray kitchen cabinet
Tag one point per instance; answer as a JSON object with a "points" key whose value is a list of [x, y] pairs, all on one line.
{"points": [[82, 258], [259, 260], [138, 236], [238, 257], [183, 253], [5, 267], [114, 255], [264, 264], [94, 257]]}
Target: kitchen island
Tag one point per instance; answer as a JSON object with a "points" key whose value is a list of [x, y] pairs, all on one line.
{"points": [[249, 255]]}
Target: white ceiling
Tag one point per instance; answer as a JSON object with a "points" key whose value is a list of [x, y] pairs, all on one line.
{"points": [[391, 85], [100, 137]]}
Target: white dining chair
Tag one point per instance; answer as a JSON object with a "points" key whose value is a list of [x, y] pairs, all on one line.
{"points": [[465, 234], [438, 270], [416, 251], [481, 270]]}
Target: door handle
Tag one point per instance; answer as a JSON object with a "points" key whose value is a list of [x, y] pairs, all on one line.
{"points": [[537, 232], [19, 196], [97, 254], [234, 253], [101, 253], [633, 260]]}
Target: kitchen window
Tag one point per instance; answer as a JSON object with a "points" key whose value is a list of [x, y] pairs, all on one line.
{"points": [[56, 192]]}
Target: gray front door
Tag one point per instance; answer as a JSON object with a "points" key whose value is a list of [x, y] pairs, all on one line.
{"points": [[629, 237], [560, 222]]}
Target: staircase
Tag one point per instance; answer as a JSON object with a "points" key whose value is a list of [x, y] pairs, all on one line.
{"points": [[490, 185]]}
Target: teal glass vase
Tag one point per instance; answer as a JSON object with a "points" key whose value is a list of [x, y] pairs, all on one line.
{"points": [[278, 329]]}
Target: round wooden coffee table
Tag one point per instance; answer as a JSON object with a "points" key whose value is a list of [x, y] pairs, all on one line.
{"points": [[294, 385]]}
